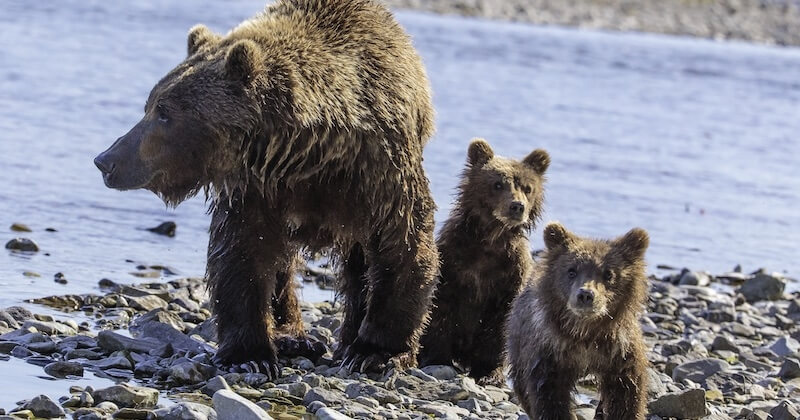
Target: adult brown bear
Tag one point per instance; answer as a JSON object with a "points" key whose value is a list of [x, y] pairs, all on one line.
{"points": [[306, 125]]}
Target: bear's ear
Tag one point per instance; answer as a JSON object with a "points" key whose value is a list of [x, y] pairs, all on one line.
{"points": [[200, 36], [479, 152], [632, 245], [556, 236], [243, 61], [539, 160]]}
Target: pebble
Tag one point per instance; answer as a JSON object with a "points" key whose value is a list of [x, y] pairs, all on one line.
{"points": [[165, 228], [689, 404], [125, 395], [63, 369], [43, 406], [22, 245]]}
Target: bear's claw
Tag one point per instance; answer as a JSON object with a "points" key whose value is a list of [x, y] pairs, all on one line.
{"points": [[266, 367], [308, 347]]}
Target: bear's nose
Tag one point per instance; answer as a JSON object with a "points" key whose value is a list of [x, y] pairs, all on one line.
{"points": [[585, 297], [516, 208], [104, 165]]}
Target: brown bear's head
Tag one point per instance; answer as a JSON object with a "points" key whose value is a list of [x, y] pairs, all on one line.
{"points": [[194, 122], [595, 279], [503, 191]]}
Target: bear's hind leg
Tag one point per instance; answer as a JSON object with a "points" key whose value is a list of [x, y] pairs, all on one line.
{"points": [[292, 339]]}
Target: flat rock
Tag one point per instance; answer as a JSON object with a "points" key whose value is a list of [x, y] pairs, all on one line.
{"points": [[111, 341], [146, 303], [186, 411], [784, 346], [790, 369], [230, 405], [698, 370], [50, 327], [323, 395], [63, 369], [689, 404], [129, 396], [784, 411], [326, 413], [215, 384], [167, 334], [441, 372]]}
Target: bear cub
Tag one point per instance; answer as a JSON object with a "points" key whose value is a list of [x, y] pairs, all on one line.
{"points": [[485, 256], [580, 315]]}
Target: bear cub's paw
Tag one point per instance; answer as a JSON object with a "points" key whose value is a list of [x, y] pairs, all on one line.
{"points": [[249, 360], [304, 346]]}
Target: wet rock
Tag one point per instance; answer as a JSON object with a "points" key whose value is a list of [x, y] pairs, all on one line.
{"points": [[690, 404], [113, 362], [125, 395], [112, 341], [698, 370], [63, 369], [229, 405], [187, 373], [167, 334], [763, 287], [443, 411], [146, 303], [215, 384], [186, 411], [81, 400], [784, 346], [159, 315], [51, 328], [790, 369], [722, 342], [131, 414], [22, 245], [43, 406], [20, 227], [166, 229], [694, 278], [60, 278]]}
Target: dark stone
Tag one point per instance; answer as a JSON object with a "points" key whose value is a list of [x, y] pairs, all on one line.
{"points": [[22, 245], [166, 229], [63, 369], [690, 404]]}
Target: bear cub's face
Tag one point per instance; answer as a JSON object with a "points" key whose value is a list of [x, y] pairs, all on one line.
{"points": [[192, 118], [505, 190], [593, 276]]}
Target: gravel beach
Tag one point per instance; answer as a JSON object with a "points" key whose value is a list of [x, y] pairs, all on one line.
{"points": [[723, 346], [764, 21]]}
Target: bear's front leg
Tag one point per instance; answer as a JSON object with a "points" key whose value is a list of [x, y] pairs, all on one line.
{"points": [[623, 390], [246, 251], [400, 281], [545, 389]]}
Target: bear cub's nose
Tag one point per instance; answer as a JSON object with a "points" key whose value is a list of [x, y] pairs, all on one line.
{"points": [[516, 208], [585, 297]]}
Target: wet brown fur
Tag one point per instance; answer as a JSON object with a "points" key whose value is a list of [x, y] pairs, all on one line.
{"points": [[485, 256], [305, 125], [550, 345]]}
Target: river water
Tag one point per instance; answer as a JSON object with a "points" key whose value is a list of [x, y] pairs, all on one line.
{"points": [[695, 141]]}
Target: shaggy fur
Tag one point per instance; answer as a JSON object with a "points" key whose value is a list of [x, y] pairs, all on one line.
{"points": [[580, 316], [485, 255], [306, 126]]}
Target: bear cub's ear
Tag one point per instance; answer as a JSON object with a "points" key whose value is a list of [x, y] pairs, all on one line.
{"points": [[556, 236], [633, 244], [243, 61], [200, 36], [539, 160], [479, 152]]}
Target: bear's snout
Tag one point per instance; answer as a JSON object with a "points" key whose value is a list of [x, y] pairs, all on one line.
{"points": [[104, 164], [585, 297], [517, 208]]}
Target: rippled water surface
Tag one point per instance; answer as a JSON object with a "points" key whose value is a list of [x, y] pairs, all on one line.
{"points": [[693, 140]]}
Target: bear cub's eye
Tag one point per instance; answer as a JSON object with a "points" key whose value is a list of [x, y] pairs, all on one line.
{"points": [[572, 273], [608, 275], [162, 114], [526, 189], [498, 185]]}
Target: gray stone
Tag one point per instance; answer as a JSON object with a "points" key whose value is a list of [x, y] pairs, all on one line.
{"points": [[790, 369], [296, 389], [784, 411], [443, 411], [698, 370], [22, 244], [146, 303], [63, 369], [763, 287], [326, 413], [230, 405], [321, 394], [215, 384], [111, 341], [722, 342], [159, 315], [695, 278], [167, 334], [125, 395], [113, 362], [440, 372], [421, 375], [690, 404], [471, 404], [187, 373], [43, 406], [784, 346], [186, 411]]}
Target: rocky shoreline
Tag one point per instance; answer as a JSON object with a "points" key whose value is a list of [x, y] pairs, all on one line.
{"points": [[721, 347], [764, 21]]}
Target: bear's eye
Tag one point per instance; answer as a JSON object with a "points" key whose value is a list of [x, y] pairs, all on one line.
{"points": [[572, 273], [526, 189], [608, 275], [498, 185], [162, 114]]}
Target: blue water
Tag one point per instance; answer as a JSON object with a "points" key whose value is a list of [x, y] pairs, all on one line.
{"points": [[695, 141]]}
